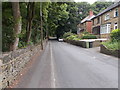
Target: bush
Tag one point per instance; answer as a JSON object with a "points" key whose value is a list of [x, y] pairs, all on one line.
{"points": [[67, 34], [85, 32], [112, 45], [21, 44], [115, 35], [89, 36], [73, 37]]}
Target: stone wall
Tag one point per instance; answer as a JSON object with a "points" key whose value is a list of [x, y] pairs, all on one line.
{"points": [[105, 36], [14, 62], [83, 43], [96, 43], [103, 49], [77, 43]]}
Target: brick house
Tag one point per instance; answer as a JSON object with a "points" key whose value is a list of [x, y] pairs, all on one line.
{"points": [[86, 24], [106, 21]]}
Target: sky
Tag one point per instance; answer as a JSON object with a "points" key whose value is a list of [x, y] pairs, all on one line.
{"points": [[90, 1]]}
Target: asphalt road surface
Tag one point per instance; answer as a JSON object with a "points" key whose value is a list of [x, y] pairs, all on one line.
{"points": [[63, 65]]}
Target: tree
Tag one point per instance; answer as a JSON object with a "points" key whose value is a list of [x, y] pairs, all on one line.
{"points": [[73, 17], [98, 6], [83, 9], [36, 29], [56, 18], [30, 15], [17, 24], [41, 26]]}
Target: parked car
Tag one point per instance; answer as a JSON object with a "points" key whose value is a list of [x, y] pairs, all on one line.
{"points": [[60, 40]]}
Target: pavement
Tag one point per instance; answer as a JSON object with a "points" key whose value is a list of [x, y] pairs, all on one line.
{"points": [[63, 65]]}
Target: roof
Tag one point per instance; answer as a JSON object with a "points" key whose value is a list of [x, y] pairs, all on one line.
{"points": [[88, 18], [108, 9]]}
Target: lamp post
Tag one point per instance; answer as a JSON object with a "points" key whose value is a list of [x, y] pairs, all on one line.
{"points": [[41, 26]]}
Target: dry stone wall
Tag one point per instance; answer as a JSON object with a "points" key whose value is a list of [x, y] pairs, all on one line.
{"points": [[12, 63]]}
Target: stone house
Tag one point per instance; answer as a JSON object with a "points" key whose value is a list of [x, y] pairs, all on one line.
{"points": [[106, 21], [86, 24]]}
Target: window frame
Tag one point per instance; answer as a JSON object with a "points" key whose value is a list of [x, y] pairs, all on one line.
{"points": [[107, 16], [115, 25], [98, 20], [104, 29], [116, 11]]}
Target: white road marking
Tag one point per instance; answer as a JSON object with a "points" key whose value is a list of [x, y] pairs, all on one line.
{"points": [[52, 69]]}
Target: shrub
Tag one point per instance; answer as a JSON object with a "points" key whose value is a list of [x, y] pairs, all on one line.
{"points": [[89, 36], [112, 45], [21, 44], [85, 32], [73, 37], [67, 34], [115, 35]]}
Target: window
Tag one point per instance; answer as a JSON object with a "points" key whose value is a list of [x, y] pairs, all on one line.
{"points": [[116, 13], [104, 29], [93, 22], [115, 26], [98, 20], [108, 28], [107, 16]]}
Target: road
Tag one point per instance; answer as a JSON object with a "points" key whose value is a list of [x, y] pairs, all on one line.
{"points": [[62, 65]]}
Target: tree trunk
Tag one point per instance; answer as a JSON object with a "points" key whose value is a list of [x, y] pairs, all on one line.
{"points": [[17, 24], [41, 26], [29, 21]]}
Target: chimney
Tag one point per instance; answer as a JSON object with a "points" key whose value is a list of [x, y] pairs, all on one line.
{"points": [[90, 13]]}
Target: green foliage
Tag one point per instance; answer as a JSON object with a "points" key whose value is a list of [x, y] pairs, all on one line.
{"points": [[30, 43], [7, 26], [89, 36], [73, 37], [67, 34], [84, 8], [98, 6], [85, 32], [112, 45], [21, 44], [115, 35], [58, 18], [114, 42], [73, 19]]}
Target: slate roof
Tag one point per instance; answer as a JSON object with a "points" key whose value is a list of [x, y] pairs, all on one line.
{"points": [[88, 18], [108, 9]]}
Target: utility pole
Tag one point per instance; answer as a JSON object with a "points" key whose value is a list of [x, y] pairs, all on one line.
{"points": [[41, 26]]}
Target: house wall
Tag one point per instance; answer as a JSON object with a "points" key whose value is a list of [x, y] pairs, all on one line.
{"points": [[104, 35], [96, 26], [81, 28], [119, 17], [86, 25], [89, 26], [95, 22], [112, 20]]}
